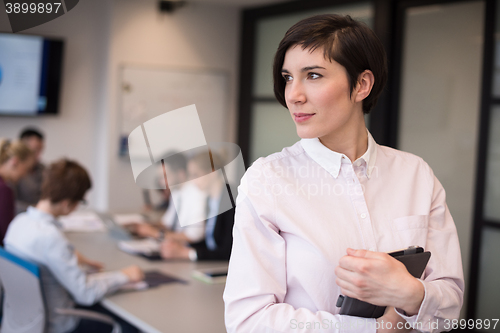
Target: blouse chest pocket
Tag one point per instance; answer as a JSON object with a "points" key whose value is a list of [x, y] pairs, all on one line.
{"points": [[411, 230]]}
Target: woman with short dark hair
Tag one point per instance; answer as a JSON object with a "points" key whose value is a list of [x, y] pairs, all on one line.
{"points": [[315, 220]]}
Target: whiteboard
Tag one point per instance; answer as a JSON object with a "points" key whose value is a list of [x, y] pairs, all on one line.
{"points": [[147, 92]]}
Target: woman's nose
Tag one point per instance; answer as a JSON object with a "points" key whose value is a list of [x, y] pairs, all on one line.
{"points": [[294, 93]]}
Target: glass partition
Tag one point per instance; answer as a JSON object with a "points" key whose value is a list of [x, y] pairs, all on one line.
{"points": [[440, 100]]}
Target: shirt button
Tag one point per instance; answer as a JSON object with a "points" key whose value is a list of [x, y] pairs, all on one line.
{"points": [[363, 215]]}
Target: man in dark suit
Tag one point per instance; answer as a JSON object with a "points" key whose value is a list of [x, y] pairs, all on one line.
{"points": [[222, 235], [218, 239]]}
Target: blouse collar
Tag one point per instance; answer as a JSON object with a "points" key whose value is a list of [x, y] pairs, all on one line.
{"points": [[331, 161]]}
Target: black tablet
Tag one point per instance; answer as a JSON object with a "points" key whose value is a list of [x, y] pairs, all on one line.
{"points": [[415, 260]]}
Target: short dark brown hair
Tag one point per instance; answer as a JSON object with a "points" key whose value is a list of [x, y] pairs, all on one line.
{"points": [[350, 43], [65, 179]]}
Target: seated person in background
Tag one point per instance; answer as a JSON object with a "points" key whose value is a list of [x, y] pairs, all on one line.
{"points": [[29, 187], [162, 206], [15, 161], [149, 207], [36, 235], [186, 201], [217, 241]]}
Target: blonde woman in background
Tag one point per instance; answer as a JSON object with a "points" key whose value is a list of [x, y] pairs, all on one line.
{"points": [[16, 159]]}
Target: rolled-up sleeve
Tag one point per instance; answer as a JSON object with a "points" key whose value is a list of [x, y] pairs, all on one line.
{"points": [[257, 280]]}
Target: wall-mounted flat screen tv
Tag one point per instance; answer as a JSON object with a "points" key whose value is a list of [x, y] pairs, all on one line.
{"points": [[30, 74]]}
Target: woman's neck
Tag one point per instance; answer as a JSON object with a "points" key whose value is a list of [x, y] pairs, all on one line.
{"points": [[351, 141]]}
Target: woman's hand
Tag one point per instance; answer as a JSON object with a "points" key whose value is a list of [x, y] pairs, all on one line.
{"points": [[391, 322], [174, 250], [378, 278]]}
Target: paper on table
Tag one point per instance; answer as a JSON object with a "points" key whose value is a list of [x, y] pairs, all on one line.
{"points": [[211, 275], [124, 219], [140, 246], [152, 279], [82, 221]]}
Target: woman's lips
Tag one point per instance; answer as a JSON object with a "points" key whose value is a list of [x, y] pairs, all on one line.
{"points": [[300, 117]]}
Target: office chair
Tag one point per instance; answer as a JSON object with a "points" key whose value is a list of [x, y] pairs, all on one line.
{"points": [[23, 306]]}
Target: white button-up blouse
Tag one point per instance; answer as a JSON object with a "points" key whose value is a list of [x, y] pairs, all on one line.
{"points": [[300, 209]]}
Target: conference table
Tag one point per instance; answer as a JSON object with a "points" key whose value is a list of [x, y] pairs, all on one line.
{"points": [[174, 307]]}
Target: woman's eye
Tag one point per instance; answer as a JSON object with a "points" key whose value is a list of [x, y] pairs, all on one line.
{"points": [[314, 76], [287, 77]]}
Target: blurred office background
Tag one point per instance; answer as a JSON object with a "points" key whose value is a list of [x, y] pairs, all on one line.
{"points": [[442, 101]]}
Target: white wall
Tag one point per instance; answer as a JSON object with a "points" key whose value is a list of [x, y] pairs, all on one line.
{"points": [[199, 36], [102, 35], [72, 133]]}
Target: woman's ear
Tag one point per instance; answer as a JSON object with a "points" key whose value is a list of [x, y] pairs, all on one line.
{"points": [[364, 85]]}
